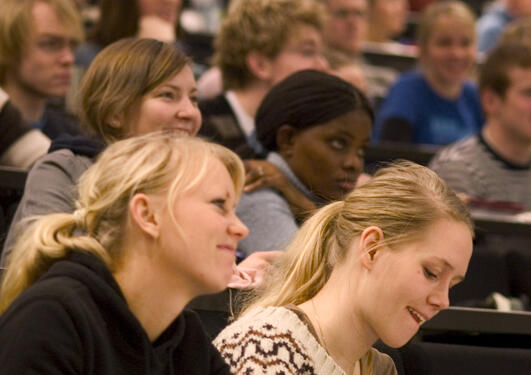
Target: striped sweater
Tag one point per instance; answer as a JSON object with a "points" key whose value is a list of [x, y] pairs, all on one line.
{"points": [[471, 166], [274, 340]]}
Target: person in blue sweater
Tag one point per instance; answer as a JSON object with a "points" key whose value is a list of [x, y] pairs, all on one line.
{"points": [[436, 104]]}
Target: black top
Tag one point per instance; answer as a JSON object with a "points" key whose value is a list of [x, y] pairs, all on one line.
{"points": [[220, 125], [75, 320]]}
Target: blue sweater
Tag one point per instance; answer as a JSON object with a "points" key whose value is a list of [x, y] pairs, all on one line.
{"points": [[434, 119]]}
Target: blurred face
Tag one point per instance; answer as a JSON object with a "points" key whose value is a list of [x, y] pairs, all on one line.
{"points": [[45, 67], [410, 283], [166, 9], [201, 260], [449, 54], [347, 24], [513, 112], [519, 8], [389, 16], [328, 158], [172, 106], [303, 50]]}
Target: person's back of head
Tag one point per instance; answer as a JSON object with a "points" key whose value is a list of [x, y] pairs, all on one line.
{"points": [[119, 77], [260, 26], [153, 164], [121, 18]]}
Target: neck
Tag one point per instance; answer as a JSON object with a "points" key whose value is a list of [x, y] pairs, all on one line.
{"points": [[156, 306], [448, 90], [251, 97], [330, 318], [30, 105], [510, 146]]}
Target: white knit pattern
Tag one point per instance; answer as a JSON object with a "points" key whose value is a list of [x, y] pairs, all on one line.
{"points": [[273, 340]]}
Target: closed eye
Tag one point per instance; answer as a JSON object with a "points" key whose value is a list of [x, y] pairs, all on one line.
{"points": [[167, 94], [220, 203], [428, 274]]}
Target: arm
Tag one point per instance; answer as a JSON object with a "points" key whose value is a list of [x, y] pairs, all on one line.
{"points": [[269, 219], [20, 144], [50, 188], [261, 174]]}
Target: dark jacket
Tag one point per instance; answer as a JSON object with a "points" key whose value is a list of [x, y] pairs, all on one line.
{"points": [[220, 125], [75, 320]]}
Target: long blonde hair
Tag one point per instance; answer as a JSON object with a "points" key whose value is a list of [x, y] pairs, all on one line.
{"points": [[156, 163], [402, 199]]}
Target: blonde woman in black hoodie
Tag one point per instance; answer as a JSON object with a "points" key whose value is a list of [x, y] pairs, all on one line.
{"points": [[102, 290]]}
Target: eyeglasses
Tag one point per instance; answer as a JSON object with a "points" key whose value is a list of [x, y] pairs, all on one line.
{"points": [[307, 52], [344, 14]]}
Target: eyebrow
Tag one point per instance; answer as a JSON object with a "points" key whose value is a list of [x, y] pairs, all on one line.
{"points": [[177, 88]]}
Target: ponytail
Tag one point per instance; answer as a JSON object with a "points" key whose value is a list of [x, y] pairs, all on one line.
{"points": [[307, 263], [46, 240]]}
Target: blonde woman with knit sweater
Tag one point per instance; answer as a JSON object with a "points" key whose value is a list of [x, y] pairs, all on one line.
{"points": [[376, 265]]}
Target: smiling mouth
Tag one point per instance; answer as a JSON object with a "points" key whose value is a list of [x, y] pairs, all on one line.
{"points": [[416, 315]]}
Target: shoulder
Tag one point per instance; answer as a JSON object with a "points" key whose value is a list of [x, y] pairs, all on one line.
{"points": [[268, 340], [61, 163], [378, 363], [42, 329], [460, 151], [408, 88]]}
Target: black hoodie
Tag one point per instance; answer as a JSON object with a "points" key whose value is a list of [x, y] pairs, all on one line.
{"points": [[75, 320]]}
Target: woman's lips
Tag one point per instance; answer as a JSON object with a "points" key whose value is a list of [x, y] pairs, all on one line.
{"points": [[418, 317], [347, 185]]}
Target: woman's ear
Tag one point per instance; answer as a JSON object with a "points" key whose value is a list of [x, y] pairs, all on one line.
{"points": [[370, 245], [285, 140], [144, 213]]}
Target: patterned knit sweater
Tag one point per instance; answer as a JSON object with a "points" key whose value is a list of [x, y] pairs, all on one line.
{"points": [[274, 340]]}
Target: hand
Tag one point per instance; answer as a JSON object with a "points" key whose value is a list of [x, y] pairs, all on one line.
{"points": [[363, 179], [260, 174], [250, 272]]}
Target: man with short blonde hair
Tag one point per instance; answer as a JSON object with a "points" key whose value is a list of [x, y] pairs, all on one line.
{"points": [[37, 38]]}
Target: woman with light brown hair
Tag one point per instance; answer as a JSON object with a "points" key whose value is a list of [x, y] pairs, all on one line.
{"points": [[375, 265], [102, 290]]}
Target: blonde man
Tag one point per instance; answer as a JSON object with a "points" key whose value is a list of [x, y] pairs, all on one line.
{"points": [[260, 43], [37, 38]]}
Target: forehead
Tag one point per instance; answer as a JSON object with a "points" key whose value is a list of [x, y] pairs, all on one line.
{"points": [[303, 33], [519, 77], [183, 79], [446, 242], [452, 24], [216, 179], [347, 4], [355, 124], [46, 21]]}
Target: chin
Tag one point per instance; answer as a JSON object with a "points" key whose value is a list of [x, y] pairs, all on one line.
{"points": [[396, 341]]}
